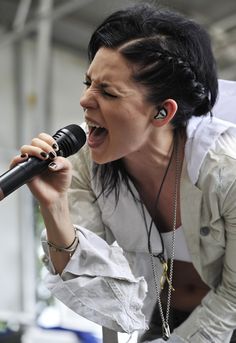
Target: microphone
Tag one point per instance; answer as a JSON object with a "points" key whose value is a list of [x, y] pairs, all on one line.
{"points": [[70, 139]]}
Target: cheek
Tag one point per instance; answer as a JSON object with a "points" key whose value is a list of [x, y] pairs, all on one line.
{"points": [[125, 140], [127, 125]]}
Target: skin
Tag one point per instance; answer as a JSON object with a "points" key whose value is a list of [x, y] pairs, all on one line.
{"points": [[115, 102]]}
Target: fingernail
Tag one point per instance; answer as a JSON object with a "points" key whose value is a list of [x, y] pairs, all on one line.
{"points": [[52, 155], [55, 146], [24, 155], [44, 154], [52, 165]]}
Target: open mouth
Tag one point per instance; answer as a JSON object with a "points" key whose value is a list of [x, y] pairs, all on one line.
{"points": [[96, 134], [97, 131]]}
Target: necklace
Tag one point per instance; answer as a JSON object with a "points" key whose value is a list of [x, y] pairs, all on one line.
{"points": [[165, 277]]}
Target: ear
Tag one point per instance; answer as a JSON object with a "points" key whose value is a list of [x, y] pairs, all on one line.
{"points": [[170, 107]]}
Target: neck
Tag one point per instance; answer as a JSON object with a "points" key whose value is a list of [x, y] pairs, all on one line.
{"points": [[151, 159]]}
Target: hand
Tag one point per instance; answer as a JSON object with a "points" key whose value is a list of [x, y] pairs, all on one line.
{"points": [[53, 183]]}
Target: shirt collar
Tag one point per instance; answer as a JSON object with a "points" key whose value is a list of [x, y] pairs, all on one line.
{"points": [[202, 134]]}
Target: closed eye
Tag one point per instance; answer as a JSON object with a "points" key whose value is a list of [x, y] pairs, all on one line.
{"points": [[104, 93], [87, 83]]}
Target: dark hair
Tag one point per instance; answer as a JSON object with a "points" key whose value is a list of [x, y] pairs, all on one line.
{"points": [[173, 57]]}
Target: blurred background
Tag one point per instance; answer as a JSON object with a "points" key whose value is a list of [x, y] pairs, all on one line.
{"points": [[43, 59]]}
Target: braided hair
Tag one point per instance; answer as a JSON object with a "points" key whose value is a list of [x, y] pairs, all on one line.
{"points": [[173, 59], [167, 75]]}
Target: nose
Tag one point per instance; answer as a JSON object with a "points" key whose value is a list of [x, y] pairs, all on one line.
{"points": [[88, 100]]}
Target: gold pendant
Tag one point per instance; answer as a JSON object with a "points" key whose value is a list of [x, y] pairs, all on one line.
{"points": [[164, 276]]}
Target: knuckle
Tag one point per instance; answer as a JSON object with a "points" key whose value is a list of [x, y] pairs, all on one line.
{"points": [[42, 135], [35, 141], [45, 137], [23, 148]]}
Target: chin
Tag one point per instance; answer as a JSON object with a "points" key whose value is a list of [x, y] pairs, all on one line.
{"points": [[99, 159], [103, 159]]}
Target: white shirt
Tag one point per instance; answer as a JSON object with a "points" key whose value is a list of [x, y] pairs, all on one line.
{"points": [[106, 283]]}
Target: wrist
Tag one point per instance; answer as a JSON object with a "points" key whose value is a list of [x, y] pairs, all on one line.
{"points": [[56, 209], [57, 221], [65, 249]]}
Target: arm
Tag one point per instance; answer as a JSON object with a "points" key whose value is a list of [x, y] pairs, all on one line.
{"points": [[97, 283], [50, 189], [60, 231]]}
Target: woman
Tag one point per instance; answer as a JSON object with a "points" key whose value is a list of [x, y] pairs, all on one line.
{"points": [[151, 198]]}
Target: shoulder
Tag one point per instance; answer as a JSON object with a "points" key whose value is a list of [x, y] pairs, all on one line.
{"points": [[207, 137], [218, 170], [226, 102]]}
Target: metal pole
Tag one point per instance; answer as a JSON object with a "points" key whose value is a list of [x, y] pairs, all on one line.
{"points": [[42, 120], [18, 25], [24, 198], [59, 12]]}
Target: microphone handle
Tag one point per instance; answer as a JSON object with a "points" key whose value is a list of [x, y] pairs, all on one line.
{"points": [[21, 174], [69, 139]]}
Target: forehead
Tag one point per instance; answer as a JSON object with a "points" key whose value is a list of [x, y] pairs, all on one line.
{"points": [[109, 65]]}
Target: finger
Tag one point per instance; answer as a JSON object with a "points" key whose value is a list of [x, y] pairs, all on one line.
{"points": [[39, 149], [45, 146], [34, 151], [17, 159], [49, 140]]}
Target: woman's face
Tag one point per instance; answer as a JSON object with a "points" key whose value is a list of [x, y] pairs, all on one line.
{"points": [[118, 116]]}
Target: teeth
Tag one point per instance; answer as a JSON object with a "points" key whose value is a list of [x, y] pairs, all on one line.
{"points": [[91, 124]]}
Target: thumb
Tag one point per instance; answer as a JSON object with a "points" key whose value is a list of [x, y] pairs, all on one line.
{"points": [[53, 166], [59, 164], [56, 166]]}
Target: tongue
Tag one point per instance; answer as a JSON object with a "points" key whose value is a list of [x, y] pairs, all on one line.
{"points": [[97, 136]]}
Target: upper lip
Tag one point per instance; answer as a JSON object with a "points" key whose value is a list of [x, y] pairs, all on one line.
{"points": [[92, 122]]}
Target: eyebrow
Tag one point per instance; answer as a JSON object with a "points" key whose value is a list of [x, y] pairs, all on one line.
{"points": [[102, 84]]}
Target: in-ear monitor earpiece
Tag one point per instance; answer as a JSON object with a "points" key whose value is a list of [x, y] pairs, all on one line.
{"points": [[161, 114]]}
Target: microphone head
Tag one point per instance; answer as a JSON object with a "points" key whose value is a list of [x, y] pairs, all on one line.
{"points": [[70, 139]]}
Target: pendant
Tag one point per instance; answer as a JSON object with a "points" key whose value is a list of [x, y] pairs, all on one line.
{"points": [[165, 331], [164, 276]]}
